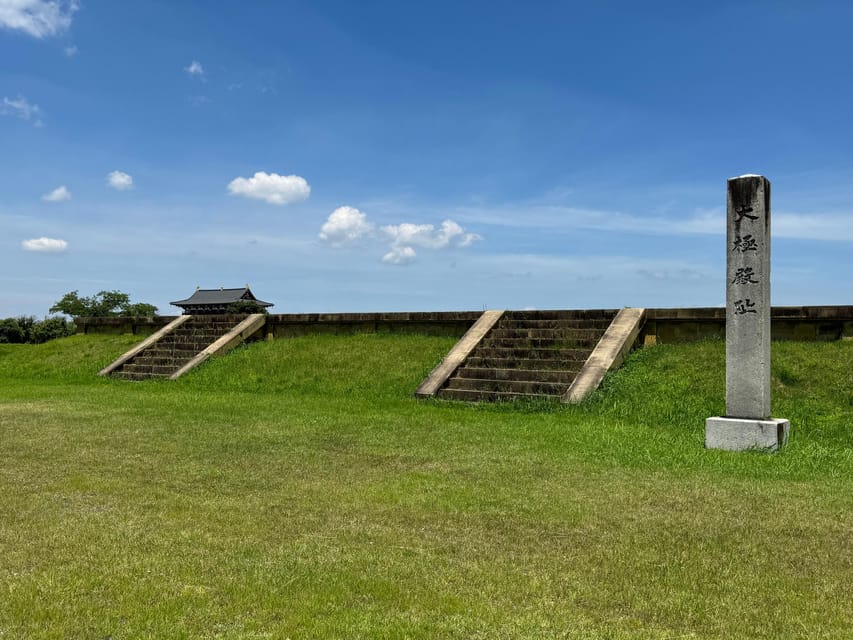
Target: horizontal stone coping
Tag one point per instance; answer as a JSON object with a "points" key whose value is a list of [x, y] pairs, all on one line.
{"points": [[694, 314], [839, 312]]}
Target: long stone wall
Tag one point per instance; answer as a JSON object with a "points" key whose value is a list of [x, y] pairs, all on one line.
{"points": [[662, 325], [787, 323], [445, 323]]}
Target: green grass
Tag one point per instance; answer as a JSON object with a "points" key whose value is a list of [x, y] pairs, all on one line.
{"points": [[296, 489]]}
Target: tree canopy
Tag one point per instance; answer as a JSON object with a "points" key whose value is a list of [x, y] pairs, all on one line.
{"points": [[102, 304]]}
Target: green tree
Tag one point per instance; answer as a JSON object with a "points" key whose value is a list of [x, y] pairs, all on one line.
{"points": [[140, 310], [50, 329], [26, 323], [11, 332], [102, 304], [246, 306]]}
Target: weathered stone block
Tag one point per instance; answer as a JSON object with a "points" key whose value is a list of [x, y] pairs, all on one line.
{"points": [[742, 434]]}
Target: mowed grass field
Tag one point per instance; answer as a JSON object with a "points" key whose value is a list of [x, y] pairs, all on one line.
{"points": [[295, 489]]}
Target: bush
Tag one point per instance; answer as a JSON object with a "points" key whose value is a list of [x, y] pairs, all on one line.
{"points": [[50, 329], [11, 332], [28, 330], [246, 306]]}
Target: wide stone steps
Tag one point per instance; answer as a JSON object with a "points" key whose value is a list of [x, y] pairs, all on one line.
{"points": [[561, 325], [544, 354], [524, 363], [131, 375], [559, 314], [156, 369], [522, 342], [507, 386], [172, 351], [467, 395], [564, 377], [545, 334], [528, 355], [194, 344]]}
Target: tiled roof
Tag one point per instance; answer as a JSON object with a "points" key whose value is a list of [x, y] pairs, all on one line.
{"points": [[220, 297]]}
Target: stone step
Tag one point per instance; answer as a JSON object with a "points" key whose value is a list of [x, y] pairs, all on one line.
{"points": [[573, 314], [507, 353], [520, 342], [478, 362], [570, 333], [137, 376], [601, 325], [507, 386], [522, 375], [157, 352], [194, 335], [160, 369], [207, 326], [216, 318], [468, 395], [198, 345], [157, 360]]}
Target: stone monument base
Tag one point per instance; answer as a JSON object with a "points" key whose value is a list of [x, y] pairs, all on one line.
{"points": [[742, 434]]}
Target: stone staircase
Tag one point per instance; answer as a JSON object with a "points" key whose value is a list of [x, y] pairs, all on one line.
{"points": [[168, 354], [528, 354]]}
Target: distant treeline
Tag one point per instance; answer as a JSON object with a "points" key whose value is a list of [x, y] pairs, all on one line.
{"points": [[28, 330]]}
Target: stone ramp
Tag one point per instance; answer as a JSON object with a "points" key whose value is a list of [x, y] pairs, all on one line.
{"points": [[184, 344], [535, 355]]}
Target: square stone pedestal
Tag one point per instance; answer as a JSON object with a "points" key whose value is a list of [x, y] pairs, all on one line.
{"points": [[742, 434]]}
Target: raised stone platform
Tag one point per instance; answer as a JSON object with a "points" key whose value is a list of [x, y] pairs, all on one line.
{"points": [[744, 434]]}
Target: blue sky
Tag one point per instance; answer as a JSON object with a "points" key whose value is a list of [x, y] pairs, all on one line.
{"points": [[394, 156]]}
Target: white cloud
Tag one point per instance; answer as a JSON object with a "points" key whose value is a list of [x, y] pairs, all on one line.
{"points": [[57, 195], [404, 237], [119, 180], [45, 245], [71, 51], [38, 18], [271, 187], [195, 69], [21, 108], [344, 226], [399, 255], [426, 235]]}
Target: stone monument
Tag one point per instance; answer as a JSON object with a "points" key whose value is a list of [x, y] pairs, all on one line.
{"points": [[747, 423]]}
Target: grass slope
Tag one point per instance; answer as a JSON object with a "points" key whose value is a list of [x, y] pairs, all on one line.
{"points": [[295, 489]]}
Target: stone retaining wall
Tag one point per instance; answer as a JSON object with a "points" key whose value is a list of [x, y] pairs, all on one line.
{"points": [[662, 325], [787, 323], [446, 323]]}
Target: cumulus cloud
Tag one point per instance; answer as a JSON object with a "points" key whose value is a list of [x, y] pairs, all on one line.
{"points": [[70, 51], [45, 245], [405, 237], [195, 69], [427, 236], [399, 255], [119, 180], [271, 187], [57, 195], [38, 18], [344, 226], [21, 108]]}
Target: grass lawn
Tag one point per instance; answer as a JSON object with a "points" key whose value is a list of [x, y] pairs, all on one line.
{"points": [[296, 489]]}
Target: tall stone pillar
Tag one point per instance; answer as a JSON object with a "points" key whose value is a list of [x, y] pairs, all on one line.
{"points": [[747, 423]]}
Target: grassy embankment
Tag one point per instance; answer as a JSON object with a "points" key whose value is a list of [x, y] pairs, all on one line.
{"points": [[295, 489]]}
